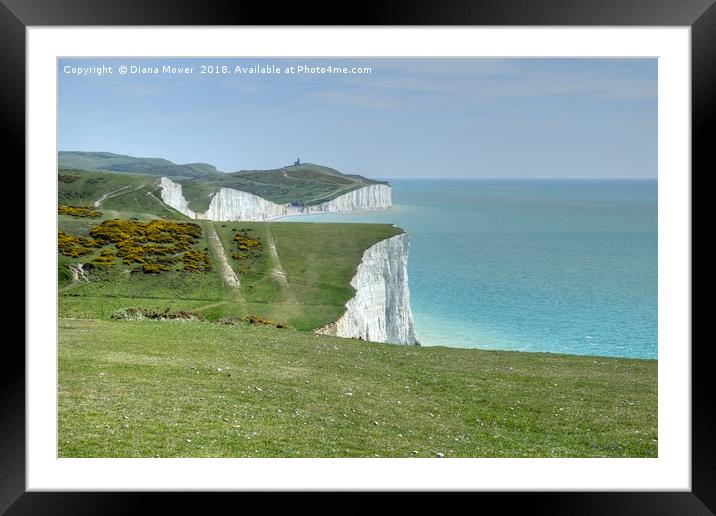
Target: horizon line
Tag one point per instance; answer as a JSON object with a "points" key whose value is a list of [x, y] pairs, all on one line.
{"points": [[531, 178]]}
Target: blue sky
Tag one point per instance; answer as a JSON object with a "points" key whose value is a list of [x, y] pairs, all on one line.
{"points": [[462, 118]]}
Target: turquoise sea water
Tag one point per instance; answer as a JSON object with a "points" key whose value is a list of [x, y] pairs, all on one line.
{"points": [[555, 266]]}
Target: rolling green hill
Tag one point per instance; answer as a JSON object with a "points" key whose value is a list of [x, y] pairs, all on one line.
{"points": [[110, 162], [116, 194], [304, 184]]}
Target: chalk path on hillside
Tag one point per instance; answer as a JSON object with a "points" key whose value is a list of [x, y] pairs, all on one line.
{"points": [[278, 271], [334, 192], [150, 194], [109, 194], [230, 277], [78, 273]]}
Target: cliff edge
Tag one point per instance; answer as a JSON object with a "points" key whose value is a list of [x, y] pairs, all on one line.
{"points": [[230, 204], [380, 309]]}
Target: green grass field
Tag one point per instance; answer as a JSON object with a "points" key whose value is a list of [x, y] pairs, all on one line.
{"points": [[193, 389], [318, 260]]}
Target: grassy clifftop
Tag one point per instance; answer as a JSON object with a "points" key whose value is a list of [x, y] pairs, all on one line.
{"points": [[306, 183], [297, 274], [191, 389], [117, 194]]}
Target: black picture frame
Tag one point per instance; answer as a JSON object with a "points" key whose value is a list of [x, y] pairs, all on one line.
{"points": [[700, 15]]}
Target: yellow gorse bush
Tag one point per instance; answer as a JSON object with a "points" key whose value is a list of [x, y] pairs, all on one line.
{"points": [[105, 258], [78, 211], [74, 246], [246, 245], [154, 247]]}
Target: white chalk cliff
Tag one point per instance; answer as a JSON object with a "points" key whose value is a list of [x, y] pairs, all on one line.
{"points": [[172, 196], [229, 204], [380, 309], [371, 197]]}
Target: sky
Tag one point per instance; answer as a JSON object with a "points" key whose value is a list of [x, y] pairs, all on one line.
{"points": [[407, 118]]}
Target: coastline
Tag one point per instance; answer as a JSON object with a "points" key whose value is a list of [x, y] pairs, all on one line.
{"points": [[328, 213], [482, 263]]}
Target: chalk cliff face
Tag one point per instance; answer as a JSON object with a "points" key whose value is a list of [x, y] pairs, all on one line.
{"points": [[173, 196], [230, 204], [380, 309], [371, 197]]}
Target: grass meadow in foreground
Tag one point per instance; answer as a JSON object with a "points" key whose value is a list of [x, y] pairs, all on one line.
{"points": [[201, 389]]}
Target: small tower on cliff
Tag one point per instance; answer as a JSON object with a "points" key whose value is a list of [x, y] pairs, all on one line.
{"points": [[297, 162]]}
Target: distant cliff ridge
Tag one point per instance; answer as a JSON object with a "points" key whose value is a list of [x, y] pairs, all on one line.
{"points": [[380, 309], [230, 204], [372, 197]]}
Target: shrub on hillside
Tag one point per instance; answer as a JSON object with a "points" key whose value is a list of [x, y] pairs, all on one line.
{"points": [[74, 245], [78, 211], [136, 314], [246, 246], [105, 258], [196, 261], [154, 246]]}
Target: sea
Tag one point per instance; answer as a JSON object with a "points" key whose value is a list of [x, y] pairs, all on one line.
{"points": [[558, 266]]}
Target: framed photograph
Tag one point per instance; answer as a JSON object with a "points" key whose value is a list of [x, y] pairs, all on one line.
{"points": [[442, 250]]}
